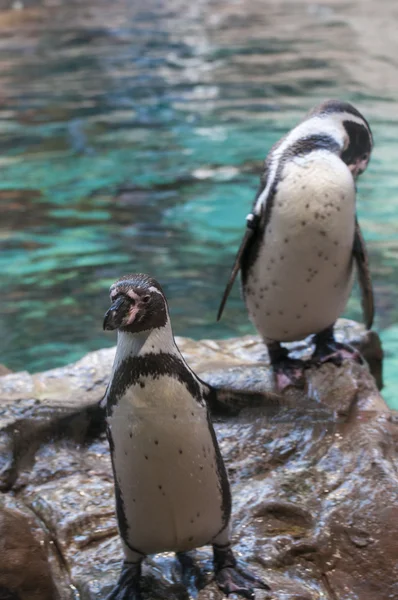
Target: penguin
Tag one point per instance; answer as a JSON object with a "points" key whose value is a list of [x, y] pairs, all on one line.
{"points": [[303, 238], [171, 485]]}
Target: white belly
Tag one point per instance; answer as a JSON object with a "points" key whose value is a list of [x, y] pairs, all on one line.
{"points": [[303, 278], [166, 469]]}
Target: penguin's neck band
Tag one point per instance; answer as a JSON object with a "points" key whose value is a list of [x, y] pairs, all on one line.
{"points": [[306, 129], [153, 354]]}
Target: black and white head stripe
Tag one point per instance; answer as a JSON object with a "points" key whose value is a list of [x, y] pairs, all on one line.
{"points": [[137, 280], [333, 126], [343, 109], [359, 135]]}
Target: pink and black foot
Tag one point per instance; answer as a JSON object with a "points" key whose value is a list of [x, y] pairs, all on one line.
{"points": [[328, 350], [232, 579], [287, 371], [128, 585]]}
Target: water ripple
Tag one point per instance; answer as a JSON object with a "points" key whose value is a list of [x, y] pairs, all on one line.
{"points": [[132, 139]]}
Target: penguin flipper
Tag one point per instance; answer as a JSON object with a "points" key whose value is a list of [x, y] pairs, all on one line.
{"points": [[365, 282], [224, 401], [252, 221]]}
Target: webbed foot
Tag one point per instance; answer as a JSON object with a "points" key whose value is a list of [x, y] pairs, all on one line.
{"points": [[232, 579], [128, 585], [192, 576], [328, 350], [287, 371]]}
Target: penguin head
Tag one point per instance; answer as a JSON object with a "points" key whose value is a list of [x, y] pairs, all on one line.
{"points": [[138, 304], [357, 135]]}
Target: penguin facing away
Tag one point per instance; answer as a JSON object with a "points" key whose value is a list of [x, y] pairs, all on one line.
{"points": [[303, 237], [171, 485]]}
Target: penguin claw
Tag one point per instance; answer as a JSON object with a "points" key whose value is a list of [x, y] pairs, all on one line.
{"points": [[328, 350], [336, 353], [232, 580]]}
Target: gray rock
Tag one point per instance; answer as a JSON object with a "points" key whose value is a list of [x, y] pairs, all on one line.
{"points": [[313, 476]]}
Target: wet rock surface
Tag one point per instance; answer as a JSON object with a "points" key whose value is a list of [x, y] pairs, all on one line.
{"points": [[29, 563], [314, 481]]}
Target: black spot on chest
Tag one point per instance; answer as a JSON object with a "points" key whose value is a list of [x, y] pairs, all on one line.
{"points": [[301, 147], [152, 365]]}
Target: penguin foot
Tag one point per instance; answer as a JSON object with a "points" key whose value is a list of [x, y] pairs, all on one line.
{"points": [[128, 585], [328, 350], [287, 371], [191, 575], [232, 579], [336, 354]]}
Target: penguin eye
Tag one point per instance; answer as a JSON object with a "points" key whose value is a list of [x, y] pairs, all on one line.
{"points": [[365, 156], [146, 299]]}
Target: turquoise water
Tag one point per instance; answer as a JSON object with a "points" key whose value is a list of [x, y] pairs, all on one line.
{"points": [[132, 140]]}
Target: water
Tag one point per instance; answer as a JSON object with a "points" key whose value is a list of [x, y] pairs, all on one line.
{"points": [[132, 139]]}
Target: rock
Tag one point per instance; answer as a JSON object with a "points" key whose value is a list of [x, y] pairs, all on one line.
{"points": [[27, 558], [4, 370], [314, 479]]}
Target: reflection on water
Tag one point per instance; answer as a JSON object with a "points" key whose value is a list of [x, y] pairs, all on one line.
{"points": [[132, 139]]}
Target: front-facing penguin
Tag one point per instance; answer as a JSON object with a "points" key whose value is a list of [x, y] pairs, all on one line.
{"points": [[302, 238], [171, 486]]}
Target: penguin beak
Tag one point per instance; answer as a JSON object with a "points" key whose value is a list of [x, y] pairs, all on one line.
{"points": [[113, 316]]}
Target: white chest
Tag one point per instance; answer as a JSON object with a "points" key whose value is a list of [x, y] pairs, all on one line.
{"points": [[303, 276], [166, 468]]}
